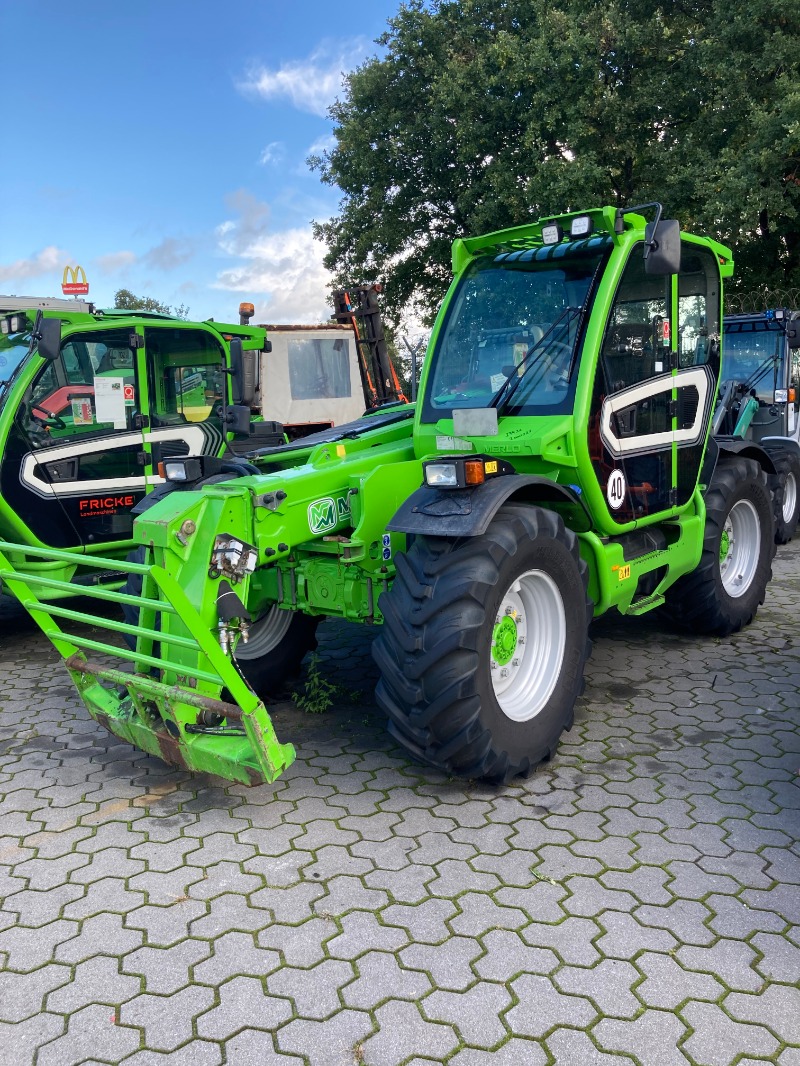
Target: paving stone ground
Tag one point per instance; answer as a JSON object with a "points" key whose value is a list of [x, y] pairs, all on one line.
{"points": [[636, 901]]}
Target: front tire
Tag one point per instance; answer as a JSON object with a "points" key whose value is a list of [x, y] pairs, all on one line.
{"points": [[726, 589], [484, 643]]}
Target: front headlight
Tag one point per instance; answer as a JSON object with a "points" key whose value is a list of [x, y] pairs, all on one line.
{"points": [[441, 475]]}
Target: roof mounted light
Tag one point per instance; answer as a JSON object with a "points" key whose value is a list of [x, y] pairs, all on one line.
{"points": [[552, 233], [582, 226]]}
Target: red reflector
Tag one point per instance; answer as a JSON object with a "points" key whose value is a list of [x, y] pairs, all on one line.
{"points": [[161, 471]]}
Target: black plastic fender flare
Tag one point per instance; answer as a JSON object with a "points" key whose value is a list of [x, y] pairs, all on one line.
{"points": [[780, 447], [748, 449], [468, 512]]}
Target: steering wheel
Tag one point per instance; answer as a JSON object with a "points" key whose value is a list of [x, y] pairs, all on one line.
{"points": [[49, 418]]}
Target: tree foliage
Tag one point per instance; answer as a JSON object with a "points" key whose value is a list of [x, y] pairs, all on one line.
{"points": [[127, 301], [487, 113]]}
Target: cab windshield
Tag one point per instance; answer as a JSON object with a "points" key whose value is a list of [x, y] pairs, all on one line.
{"points": [[514, 317], [753, 355]]}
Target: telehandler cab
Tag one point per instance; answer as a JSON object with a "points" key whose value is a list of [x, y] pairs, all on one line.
{"points": [[759, 400], [558, 464]]}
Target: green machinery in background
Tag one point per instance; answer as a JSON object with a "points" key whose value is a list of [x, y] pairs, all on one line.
{"points": [[91, 402], [558, 463]]}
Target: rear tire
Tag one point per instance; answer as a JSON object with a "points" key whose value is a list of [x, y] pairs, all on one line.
{"points": [[484, 643], [726, 589], [787, 493]]}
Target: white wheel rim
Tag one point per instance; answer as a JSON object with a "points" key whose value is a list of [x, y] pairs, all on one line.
{"points": [[789, 497], [526, 656], [740, 548], [265, 634]]}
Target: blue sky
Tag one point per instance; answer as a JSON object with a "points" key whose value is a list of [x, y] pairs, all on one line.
{"points": [[161, 144]]}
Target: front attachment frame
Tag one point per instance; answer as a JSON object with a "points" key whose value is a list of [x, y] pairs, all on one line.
{"points": [[162, 696]]}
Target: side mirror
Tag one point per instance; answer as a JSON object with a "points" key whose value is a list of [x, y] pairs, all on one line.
{"points": [[48, 337], [793, 331], [243, 371], [237, 420], [662, 247]]}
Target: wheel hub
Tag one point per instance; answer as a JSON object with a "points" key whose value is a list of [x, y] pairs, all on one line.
{"points": [[504, 638], [725, 543], [528, 645]]}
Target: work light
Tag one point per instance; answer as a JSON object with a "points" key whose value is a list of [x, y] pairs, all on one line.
{"points": [[581, 226]]}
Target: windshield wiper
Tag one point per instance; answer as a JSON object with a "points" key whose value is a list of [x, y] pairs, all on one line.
{"points": [[538, 349]]}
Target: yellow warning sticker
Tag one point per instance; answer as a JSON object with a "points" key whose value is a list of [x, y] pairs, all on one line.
{"points": [[624, 572]]}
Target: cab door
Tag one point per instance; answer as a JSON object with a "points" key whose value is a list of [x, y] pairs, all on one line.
{"points": [[630, 425], [655, 384], [186, 378], [72, 469]]}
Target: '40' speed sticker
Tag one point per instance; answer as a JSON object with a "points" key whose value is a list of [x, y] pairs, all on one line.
{"points": [[615, 490]]}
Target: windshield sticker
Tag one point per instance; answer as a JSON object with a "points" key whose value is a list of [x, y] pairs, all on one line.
{"points": [[453, 444], [82, 412], [109, 398]]}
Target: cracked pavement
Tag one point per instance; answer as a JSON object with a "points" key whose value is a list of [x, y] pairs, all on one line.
{"points": [[636, 901]]}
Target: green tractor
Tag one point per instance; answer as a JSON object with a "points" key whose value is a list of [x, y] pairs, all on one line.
{"points": [[91, 402], [558, 463]]}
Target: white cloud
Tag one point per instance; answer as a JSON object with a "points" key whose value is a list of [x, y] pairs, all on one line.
{"points": [[322, 144], [310, 84], [273, 153], [115, 262], [284, 277], [48, 260], [237, 236]]}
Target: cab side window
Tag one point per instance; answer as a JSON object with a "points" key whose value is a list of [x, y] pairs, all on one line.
{"points": [[188, 378], [75, 397], [698, 308], [637, 336]]}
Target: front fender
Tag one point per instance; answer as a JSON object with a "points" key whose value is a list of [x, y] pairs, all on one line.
{"points": [[748, 449], [468, 512]]}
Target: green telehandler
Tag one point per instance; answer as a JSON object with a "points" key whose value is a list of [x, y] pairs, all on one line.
{"points": [[558, 463]]}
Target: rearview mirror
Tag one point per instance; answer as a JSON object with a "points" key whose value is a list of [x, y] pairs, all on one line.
{"points": [[243, 371], [48, 337], [662, 247], [793, 331]]}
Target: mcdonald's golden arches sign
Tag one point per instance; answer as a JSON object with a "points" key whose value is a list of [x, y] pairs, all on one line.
{"points": [[74, 282]]}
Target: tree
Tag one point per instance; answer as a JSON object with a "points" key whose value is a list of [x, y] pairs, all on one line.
{"points": [[125, 300], [487, 113]]}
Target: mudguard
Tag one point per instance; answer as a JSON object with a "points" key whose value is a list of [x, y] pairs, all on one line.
{"points": [[468, 512], [746, 448]]}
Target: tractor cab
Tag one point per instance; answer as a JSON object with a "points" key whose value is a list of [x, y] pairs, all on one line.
{"points": [[577, 353], [762, 361], [86, 418]]}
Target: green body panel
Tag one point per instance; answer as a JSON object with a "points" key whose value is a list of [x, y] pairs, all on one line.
{"points": [[317, 519]]}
